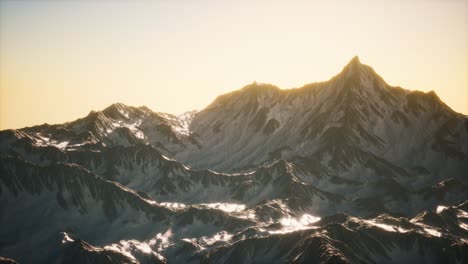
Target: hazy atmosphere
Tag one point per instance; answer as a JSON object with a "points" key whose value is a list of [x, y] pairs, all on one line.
{"points": [[170, 132], [60, 59]]}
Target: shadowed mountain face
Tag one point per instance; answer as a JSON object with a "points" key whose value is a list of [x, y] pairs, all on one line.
{"points": [[344, 171]]}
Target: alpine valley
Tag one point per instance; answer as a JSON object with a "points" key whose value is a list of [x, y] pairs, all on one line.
{"points": [[350, 170]]}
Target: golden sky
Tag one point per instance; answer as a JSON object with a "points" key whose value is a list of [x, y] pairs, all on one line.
{"points": [[61, 59]]}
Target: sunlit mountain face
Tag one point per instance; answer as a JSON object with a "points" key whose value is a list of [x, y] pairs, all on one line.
{"points": [[351, 170]]}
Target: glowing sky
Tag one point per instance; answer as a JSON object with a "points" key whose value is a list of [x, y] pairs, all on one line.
{"points": [[61, 59]]}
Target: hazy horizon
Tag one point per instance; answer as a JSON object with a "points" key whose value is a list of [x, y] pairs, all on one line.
{"points": [[60, 60]]}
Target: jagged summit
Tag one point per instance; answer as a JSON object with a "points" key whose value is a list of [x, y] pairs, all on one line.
{"points": [[353, 74], [354, 64], [117, 109], [356, 71], [118, 105], [355, 60]]}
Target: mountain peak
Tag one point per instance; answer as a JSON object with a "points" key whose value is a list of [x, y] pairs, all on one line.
{"points": [[354, 61], [353, 65], [255, 85], [355, 70], [117, 110], [117, 106], [259, 88]]}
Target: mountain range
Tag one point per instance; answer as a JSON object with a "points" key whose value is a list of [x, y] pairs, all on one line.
{"points": [[350, 170]]}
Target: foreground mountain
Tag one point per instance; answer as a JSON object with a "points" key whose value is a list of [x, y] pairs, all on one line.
{"points": [[347, 170]]}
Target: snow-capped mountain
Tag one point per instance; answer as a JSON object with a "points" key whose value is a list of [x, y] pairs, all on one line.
{"points": [[344, 171], [341, 122], [117, 125]]}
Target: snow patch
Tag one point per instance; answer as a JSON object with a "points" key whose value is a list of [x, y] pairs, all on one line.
{"points": [[386, 227], [222, 236], [66, 238], [174, 205], [291, 224], [440, 208], [464, 226], [226, 207], [432, 232], [164, 240]]}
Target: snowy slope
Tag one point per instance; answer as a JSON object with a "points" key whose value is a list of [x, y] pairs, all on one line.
{"points": [[117, 125]]}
